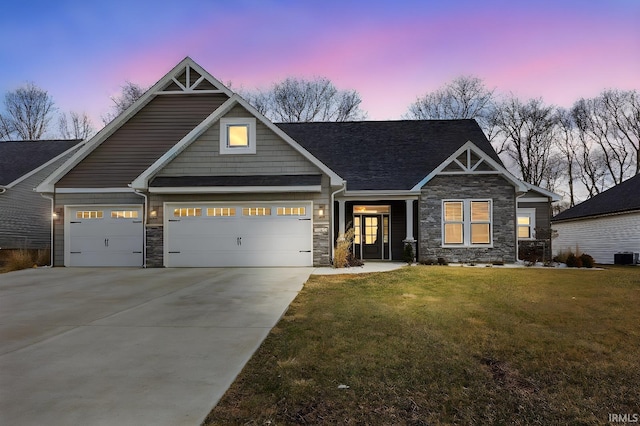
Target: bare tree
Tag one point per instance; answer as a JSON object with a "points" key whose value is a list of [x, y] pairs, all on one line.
{"points": [[129, 93], [300, 100], [28, 112], [567, 145], [612, 122], [528, 131], [78, 126], [463, 97]]}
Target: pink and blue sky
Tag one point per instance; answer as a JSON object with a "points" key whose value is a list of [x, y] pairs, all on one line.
{"points": [[389, 51]]}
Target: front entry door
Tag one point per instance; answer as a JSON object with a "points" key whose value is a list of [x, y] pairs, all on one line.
{"points": [[371, 237]]}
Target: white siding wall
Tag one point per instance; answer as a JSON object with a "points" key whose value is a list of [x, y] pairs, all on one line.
{"points": [[600, 237]]}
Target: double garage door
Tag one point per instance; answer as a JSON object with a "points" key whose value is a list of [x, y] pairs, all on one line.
{"points": [[238, 234], [195, 235], [104, 236]]}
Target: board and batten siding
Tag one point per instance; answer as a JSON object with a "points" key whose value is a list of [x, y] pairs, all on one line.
{"points": [[600, 237], [63, 200], [273, 155], [139, 142]]}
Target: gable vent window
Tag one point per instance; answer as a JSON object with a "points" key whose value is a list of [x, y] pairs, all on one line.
{"points": [[467, 223], [238, 135]]}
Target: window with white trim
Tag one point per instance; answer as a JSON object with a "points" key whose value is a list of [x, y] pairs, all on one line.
{"points": [[526, 223], [221, 211], [467, 223], [187, 212], [256, 211], [238, 135], [124, 214], [93, 214], [291, 211]]}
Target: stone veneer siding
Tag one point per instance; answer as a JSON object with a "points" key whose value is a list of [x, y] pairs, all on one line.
{"points": [[155, 253], [449, 187]]}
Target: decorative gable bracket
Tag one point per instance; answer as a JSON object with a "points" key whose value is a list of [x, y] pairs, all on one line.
{"points": [[469, 159], [191, 80]]}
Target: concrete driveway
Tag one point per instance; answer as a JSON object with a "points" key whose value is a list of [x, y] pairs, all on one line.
{"points": [[131, 346]]}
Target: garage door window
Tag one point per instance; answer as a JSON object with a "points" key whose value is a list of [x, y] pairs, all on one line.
{"points": [[124, 214], [292, 211], [221, 211], [187, 211], [89, 214], [256, 211]]}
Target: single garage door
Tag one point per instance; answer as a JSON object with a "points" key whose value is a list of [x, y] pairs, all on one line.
{"points": [[104, 236], [238, 234]]}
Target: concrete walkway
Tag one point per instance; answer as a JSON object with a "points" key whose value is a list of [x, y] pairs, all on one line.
{"points": [[131, 346], [368, 267]]}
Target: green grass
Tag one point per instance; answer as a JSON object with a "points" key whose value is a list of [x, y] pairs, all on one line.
{"points": [[447, 345]]}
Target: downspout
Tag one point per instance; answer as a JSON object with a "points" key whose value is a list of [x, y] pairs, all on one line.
{"points": [[342, 189], [2, 189], [144, 227], [50, 198]]}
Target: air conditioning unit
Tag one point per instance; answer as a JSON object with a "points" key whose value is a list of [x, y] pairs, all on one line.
{"points": [[626, 258]]}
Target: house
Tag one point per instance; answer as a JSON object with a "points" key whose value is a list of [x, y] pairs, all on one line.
{"points": [[604, 225], [25, 216], [193, 175]]}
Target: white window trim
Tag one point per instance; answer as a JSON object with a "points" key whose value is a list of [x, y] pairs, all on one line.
{"points": [[224, 134], [466, 223], [531, 212]]}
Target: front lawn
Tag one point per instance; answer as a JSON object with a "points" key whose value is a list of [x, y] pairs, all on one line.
{"points": [[448, 345]]}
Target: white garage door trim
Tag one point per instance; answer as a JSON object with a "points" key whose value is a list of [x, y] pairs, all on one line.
{"points": [[215, 237], [113, 239]]}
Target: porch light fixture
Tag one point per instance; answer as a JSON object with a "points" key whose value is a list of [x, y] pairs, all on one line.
{"points": [[153, 214], [321, 209]]}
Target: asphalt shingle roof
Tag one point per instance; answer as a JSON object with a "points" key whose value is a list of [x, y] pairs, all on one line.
{"points": [[19, 158], [386, 155], [621, 198]]}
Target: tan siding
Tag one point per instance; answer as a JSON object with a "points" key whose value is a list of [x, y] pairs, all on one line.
{"points": [[602, 237], [273, 156], [543, 213], [141, 141]]}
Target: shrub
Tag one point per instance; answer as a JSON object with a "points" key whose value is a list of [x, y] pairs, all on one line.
{"points": [[428, 261], [342, 253], [20, 259], [442, 261], [573, 261], [587, 261], [407, 255]]}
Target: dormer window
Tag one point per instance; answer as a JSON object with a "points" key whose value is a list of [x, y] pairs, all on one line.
{"points": [[238, 135]]}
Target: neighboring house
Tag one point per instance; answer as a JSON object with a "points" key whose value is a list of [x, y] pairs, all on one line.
{"points": [[604, 225], [192, 175], [25, 216]]}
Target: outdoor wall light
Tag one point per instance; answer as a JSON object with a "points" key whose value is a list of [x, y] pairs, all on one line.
{"points": [[321, 209], [54, 215], [153, 214]]}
